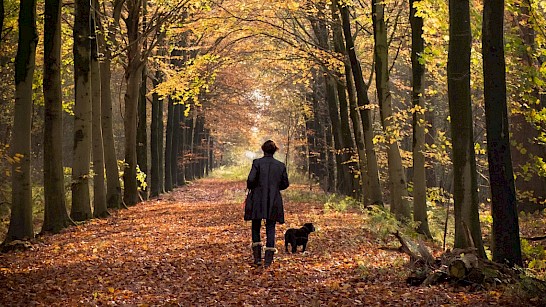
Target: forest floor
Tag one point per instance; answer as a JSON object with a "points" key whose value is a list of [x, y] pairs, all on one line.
{"points": [[191, 247]]}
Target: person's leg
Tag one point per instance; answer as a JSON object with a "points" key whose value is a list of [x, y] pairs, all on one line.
{"points": [[256, 225], [270, 233], [270, 243], [256, 242]]}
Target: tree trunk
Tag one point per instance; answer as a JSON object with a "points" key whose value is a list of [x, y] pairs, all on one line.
{"points": [[133, 78], [142, 135], [99, 191], [397, 177], [161, 147], [55, 214], [20, 226], [175, 146], [358, 140], [130, 195], [81, 203], [2, 16], [365, 108], [419, 123], [350, 167], [333, 112], [155, 138], [200, 143], [506, 246], [465, 193], [187, 146], [113, 185], [168, 145]]}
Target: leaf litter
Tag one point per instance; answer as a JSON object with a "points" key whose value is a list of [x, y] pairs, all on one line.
{"points": [[191, 247]]}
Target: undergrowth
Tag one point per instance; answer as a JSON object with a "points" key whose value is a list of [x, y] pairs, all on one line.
{"points": [[382, 224]]}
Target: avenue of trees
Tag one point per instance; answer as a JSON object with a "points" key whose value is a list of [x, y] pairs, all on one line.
{"points": [[403, 104]]}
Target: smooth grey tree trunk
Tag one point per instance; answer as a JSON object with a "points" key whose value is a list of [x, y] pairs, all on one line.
{"points": [[133, 78], [20, 225], [113, 185], [55, 213], [397, 177], [465, 195], [99, 188], [365, 109], [81, 203], [419, 123], [506, 245], [349, 165]]}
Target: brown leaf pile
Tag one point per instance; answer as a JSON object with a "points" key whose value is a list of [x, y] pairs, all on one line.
{"points": [[192, 248]]}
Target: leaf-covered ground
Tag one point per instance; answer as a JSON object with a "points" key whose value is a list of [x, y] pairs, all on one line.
{"points": [[192, 248]]}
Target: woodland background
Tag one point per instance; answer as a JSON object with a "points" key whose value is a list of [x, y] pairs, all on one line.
{"points": [[433, 111]]}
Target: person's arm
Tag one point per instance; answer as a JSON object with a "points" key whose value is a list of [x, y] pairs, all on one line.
{"points": [[252, 180], [284, 180]]}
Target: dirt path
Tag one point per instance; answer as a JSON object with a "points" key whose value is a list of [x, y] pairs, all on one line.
{"points": [[192, 248]]}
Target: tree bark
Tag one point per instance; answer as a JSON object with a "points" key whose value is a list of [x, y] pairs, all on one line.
{"points": [[55, 214], [175, 146], [99, 189], [168, 145], [133, 78], [155, 138], [113, 185], [142, 134], [365, 108], [187, 129], [2, 17], [397, 177], [419, 123], [465, 193], [81, 203], [350, 167], [506, 246], [358, 141], [161, 146], [20, 226]]}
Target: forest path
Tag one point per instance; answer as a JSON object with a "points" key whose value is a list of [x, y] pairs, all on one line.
{"points": [[192, 248]]}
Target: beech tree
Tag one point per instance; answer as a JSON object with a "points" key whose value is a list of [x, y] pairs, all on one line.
{"points": [[81, 202], [55, 213], [156, 139], [506, 242], [364, 106], [397, 177], [465, 195], [20, 225], [106, 46], [419, 123], [99, 188]]}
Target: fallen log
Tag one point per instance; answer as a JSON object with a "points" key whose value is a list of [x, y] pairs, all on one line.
{"points": [[457, 265], [540, 238]]}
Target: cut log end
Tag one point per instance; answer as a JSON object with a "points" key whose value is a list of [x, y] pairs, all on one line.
{"points": [[457, 269]]}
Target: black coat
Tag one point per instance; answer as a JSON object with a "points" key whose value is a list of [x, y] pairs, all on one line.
{"points": [[266, 179]]}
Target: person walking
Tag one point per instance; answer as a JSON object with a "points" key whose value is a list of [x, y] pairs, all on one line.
{"points": [[266, 179]]}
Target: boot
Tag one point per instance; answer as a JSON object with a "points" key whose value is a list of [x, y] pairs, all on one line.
{"points": [[257, 252], [269, 252]]}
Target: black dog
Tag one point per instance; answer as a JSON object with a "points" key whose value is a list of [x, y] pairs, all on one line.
{"points": [[298, 237]]}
